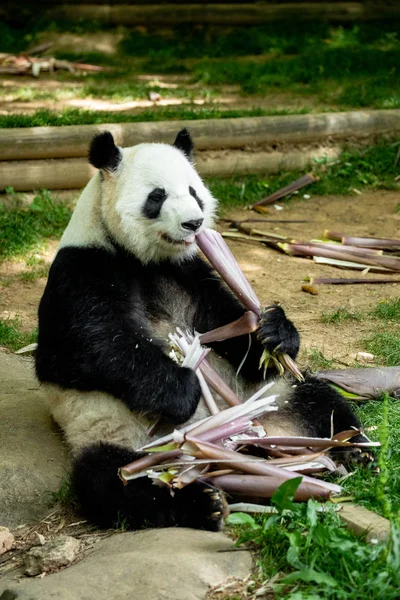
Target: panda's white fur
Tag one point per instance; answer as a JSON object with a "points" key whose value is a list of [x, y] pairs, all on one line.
{"points": [[121, 281], [118, 200]]}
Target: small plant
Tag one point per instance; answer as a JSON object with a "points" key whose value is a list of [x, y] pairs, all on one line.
{"points": [[25, 229], [121, 524], [385, 345], [13, 337], [317, 360], [388, 310], [340, 315], [65, 494]]}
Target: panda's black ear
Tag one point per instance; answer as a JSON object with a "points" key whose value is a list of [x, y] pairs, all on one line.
{"points": [[103, 153], [184, 143]]}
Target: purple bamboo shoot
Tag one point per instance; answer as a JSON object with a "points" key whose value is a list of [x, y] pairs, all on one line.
{"points": [[384, 243], [387, 262], [265, 487], [217, 252], [248, 323]]}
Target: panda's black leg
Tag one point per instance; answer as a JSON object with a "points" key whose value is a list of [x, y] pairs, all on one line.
{"points": [[319, 408], [108, 502]]}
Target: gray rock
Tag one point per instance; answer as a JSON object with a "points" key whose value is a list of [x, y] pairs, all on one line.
{"points": [[53, 555], [33, 459], [160, 564], [6, 540]]}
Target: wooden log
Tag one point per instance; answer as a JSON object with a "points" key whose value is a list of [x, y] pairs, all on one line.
{"points": [[74, 173], [73, 141], [224, 14]]}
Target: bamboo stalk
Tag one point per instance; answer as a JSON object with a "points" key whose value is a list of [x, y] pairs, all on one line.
{"points": [[252, 466], [248, 323], [384, 243], [387, 262], [348, 280], [288, 189], [264, 487]]}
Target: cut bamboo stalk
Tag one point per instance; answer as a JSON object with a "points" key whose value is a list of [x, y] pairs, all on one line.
{"points": [[348, 280], [288, 189], [387, 262], [73, 140], [349, 264], [263, 487], [362, 242]]}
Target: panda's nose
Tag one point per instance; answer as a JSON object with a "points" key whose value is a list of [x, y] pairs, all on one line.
{"points": [[192, 225]]}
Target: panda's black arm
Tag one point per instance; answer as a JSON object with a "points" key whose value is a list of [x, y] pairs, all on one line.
{"points": [[88, 340], [217, 306]]}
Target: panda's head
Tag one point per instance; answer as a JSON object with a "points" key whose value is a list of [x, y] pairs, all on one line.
{"points": [[153, 201]]}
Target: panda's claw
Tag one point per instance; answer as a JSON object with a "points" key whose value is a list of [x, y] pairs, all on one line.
{"points": [[276, 331]]}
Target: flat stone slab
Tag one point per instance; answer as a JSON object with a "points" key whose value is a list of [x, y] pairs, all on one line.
{"points": [[33, 458], [364, 522], [159, 564]]}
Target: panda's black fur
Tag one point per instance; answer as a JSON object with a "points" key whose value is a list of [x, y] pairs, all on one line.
{"points": [[102, 356]]}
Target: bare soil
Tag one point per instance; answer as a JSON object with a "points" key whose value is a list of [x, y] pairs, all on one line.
{"points": [[277, 277]]}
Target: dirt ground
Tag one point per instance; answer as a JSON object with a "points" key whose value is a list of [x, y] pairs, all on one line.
{"points": [[277, 277]]}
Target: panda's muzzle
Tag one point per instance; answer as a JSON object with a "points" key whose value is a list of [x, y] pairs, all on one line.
{"points": [[192, 225], [182, 242]]}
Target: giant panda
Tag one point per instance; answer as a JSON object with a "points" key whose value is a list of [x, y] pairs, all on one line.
{"points": [[127, 272]]}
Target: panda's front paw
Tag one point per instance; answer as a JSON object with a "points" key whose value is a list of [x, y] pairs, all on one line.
{"points": [[277, 332], [203, 507], [355, 457], [181, 399]]}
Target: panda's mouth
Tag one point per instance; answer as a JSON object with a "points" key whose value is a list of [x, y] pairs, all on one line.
{"points": [[190, 239]]}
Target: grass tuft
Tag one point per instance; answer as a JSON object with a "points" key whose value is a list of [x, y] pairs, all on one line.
{"points": [[388, 310], [25, 229], [316, 360], [385, 345], [13, 337], [340, 315], [65, 494]]}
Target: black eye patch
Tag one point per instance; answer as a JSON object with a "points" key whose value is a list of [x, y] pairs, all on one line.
{"points": [[193, 193], [154, 202]]}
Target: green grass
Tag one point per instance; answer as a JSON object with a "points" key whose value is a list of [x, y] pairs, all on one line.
{"points": [[26, 229], [317, 556], [317, 361], [388, 310], [340, 315], [380, 492], [385, 345], [13, 337], [367, 168], [73, 116], [65, 494]]}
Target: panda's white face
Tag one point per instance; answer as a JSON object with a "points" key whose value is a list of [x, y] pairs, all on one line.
{"points": [[155, 202]]}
